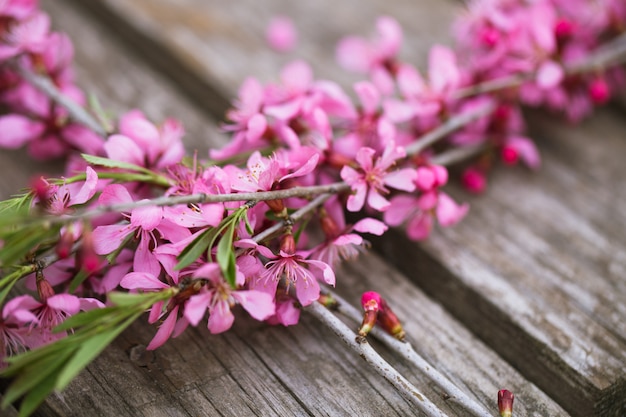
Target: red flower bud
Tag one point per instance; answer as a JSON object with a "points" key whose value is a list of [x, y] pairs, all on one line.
{"points": [[599, 91], [505, 403], [288, 244]]}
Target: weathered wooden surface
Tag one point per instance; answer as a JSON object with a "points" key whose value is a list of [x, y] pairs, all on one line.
{"points": [[554, 309], [553, 248]]}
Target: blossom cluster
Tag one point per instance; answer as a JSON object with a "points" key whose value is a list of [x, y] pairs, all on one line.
{"points": [[370, 155]]}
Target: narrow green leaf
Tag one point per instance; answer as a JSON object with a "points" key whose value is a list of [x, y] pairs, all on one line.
{"points": [[111, 163], [34, 374], [226, 256], [84, 318], [77, 280], [36, 396], [87, 352], [195, 249]]}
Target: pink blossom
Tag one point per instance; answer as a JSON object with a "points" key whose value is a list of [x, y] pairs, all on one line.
{"points": [[142, 143], [418, 213], [373, 178], [294, 268], [249, 124], [281, 34], [144, 221], [218, 297], [362, 55]]}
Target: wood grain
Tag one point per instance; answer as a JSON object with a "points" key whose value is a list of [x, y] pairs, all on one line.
{"points": [[540, 259], [256, 369]]}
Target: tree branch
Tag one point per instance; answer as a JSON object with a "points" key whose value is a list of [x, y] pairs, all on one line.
{"points": [[399, 382], [405, 350]]}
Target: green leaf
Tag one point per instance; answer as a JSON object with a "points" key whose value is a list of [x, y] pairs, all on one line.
{"points": [[84, 318], [77, 280], [24, 241], [37, 395], [88, 352], [111, 163], [195, 249], [226, 255]]}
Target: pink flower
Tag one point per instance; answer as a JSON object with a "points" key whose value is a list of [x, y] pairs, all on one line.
{"points": [[281, 34], [144, 221], [418, 213], [374, 177], [249, 124], [218, 297], [294, 268], [142, 143]]}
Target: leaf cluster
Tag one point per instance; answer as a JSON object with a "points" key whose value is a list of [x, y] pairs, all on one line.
{"points": [[41, 371]]}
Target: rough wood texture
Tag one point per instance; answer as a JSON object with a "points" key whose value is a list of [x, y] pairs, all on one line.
{"points": [[559, 305], [540, 259]]}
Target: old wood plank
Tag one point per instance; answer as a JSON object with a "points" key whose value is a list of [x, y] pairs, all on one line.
{"points": [[576, 324], [540, 261], [241, 372]]}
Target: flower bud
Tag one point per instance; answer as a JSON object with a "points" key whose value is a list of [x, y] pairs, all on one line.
{"points": [[389, 321], [288, 244], [370, 301], [278, 207], [44, 289], [599, 91], [505, 403]]}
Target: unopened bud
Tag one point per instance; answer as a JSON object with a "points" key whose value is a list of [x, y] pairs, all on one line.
{"points": [[278, 207], [505, 403], [288, 244], [599, 91], [40, 189], [87, 257], [327, 301], [63, 247], [389, 321], [44, 289], [370, 301], [509, 155], [330, 228]]}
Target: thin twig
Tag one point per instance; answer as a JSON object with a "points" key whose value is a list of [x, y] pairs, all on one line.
{"points": [[76, 111], [449, 126], [399, 382], [453, 156], [296, 216], [407, 352]]}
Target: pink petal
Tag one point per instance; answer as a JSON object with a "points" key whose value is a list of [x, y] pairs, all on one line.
{"points": [[16, 130], [135, 125], [67, 303], [549, 75], [123, 148], [87, 190], [142, 281], [114, 194], [443, 72], [197, 306], [87, 304], [354, 54], [281, 34], [109, 237], [448, 212], [420, 226], [305, 169], [399, 210], [368, 95], [307, 291], [391, 35], [220, 317], [145, 260], [165, 330], [527, 150], [377, 201], [328, 275], [297, 76], [364, 156], [287, 314], [256, 126], [259, 304], [369, 225], [357, 199], [401, 179], [147, 217]]}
